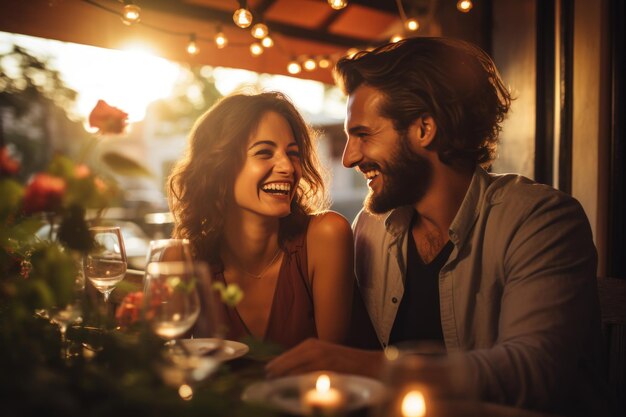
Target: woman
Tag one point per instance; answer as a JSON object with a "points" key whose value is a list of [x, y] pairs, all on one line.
{"points": [[249, 197]]}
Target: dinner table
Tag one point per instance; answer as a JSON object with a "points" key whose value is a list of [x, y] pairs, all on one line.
{"points": [[244, 374]]}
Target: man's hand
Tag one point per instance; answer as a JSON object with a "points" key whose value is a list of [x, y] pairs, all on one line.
{"points": [[315, 355]]}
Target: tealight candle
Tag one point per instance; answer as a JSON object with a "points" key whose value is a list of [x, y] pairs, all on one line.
{"points": [[323, 398], [413, 404]]}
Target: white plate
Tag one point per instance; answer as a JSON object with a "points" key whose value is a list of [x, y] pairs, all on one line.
{"points": [[228, 351], [285, 394]]}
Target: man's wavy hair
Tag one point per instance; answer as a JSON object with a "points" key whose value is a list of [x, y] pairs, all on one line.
{"points": [[201, 183], [453, 81]]}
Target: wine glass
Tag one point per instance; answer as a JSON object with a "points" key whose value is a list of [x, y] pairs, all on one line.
{"points": [[69, 312], [174, 296], [171, 294], [105, 265], [173, 250]]}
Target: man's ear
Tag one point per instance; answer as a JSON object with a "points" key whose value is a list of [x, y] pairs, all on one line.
{"points": [[423, 131]]}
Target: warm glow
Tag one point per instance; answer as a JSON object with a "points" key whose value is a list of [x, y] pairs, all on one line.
{"points": [[294, 68], [323, 62], [413, 404], [256, 49], [242, 18], [309, 64], [185, 392], [396, 38], [338, 4], [128, 79], [412, 25], [267, 42], [259, 30], [192, 47], [464, 5], [130, 14], [323, 383], [352, 52], [220, 40]]}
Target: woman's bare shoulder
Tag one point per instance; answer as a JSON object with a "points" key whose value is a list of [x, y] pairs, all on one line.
{"points": [[328, 225]]}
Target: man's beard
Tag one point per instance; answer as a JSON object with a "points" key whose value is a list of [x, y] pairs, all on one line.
{"points": [[405, 180]]}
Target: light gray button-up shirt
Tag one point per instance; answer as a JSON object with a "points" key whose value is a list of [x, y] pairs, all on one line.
{"points": [[518, 293]]}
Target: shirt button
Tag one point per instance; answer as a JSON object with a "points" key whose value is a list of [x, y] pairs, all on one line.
{"points": [[394, 300]]}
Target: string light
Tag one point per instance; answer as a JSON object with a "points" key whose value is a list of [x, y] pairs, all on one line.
{"points": [[192, 47], [242, 16], [309, 64], [338, 4], [256, 49], [294, 67], [259, 30], [464, 5], [130, 13], [267, 42], [412, 25], [323, 62], [220, 39]]}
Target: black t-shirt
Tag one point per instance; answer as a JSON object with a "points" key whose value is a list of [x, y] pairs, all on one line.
{"points": [[418, 316]]}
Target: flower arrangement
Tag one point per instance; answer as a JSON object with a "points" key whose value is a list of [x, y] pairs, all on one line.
{"points": [[43, 234]]}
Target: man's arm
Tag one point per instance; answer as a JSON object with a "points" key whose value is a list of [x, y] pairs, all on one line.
{"points": [[314, 355]]}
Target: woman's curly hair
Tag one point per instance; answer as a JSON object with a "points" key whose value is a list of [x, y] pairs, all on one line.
{"points": [[453, 81], [202, 181]]}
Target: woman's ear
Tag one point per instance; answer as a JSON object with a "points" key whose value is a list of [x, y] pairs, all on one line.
{"points": [[423, 131]]}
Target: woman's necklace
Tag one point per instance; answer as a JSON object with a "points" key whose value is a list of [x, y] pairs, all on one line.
{"points": [[260, 275]]}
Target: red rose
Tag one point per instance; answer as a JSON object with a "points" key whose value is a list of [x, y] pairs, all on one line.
{"points": [[129, 309], [8, 165], [43, 193], [108, 119]]}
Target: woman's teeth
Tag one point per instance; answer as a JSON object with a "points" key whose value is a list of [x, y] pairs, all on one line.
{"points": [[277, 188]]}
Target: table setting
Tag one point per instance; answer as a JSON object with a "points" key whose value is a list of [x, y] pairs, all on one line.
{"points": [[82, 334]]}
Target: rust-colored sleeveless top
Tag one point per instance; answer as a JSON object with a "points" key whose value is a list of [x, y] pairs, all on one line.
{"points": [[291, 318]]}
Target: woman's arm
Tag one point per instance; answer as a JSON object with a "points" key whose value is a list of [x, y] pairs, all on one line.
{"points": [[331, 269]]}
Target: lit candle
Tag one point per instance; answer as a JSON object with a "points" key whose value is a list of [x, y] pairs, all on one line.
{"points": [[323, 398], [413, 404]]}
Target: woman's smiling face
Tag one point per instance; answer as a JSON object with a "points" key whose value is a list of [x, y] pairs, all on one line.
{"points": [[268, 180]]}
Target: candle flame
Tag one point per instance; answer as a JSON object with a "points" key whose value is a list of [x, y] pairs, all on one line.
{"points": [[413, 404], [323, 383]]}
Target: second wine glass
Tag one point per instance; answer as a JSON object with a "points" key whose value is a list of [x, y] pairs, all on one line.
{"points": [[171, 296], [105, 265]]}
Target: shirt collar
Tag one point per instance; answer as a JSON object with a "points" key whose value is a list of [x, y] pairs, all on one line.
{"points": [[398, 220]]}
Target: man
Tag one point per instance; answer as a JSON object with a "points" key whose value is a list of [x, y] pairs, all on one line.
{"points": [[497, 268]]}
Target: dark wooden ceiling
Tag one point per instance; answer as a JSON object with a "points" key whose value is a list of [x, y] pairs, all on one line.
{"points": [[299, 27]]}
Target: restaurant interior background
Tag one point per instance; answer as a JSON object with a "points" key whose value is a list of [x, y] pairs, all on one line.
{"points": [[564, 61]]}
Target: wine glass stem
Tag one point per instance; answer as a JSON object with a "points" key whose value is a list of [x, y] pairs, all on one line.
{"points": [[106, 295]]}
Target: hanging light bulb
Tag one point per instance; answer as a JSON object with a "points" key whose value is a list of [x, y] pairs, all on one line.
{"points": [[464, 5], [323, 62], [267, 42], [259, 30], [242, 16], [309, 64], [256, 49], [396, 38], [220, 39], [294, 67], [130, 13], [338, 4], [192, 47], [412, 24]]}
